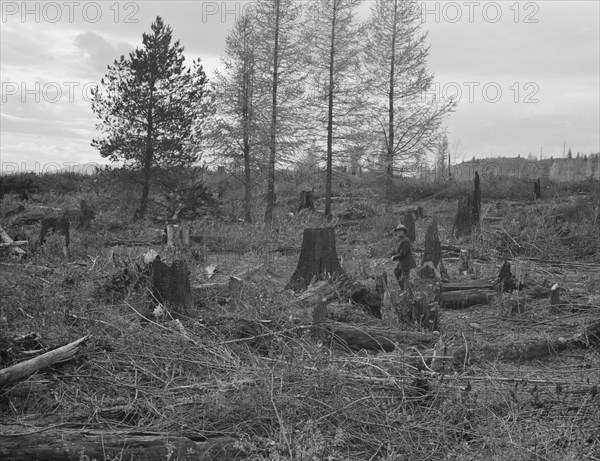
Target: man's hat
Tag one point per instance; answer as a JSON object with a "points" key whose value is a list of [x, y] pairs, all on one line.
{"points": [[401, 227]]}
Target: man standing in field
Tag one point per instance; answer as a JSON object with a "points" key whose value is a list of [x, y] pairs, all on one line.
{"points": [[404, 257]]}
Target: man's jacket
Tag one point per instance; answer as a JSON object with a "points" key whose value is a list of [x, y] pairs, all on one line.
{"points": [[404, 255]]}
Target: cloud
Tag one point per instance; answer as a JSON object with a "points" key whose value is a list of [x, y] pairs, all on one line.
{"points": [[97, 52]]}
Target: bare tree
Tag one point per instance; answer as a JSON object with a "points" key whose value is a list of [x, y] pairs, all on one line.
{"points": [[333, 59], [397, 80]]}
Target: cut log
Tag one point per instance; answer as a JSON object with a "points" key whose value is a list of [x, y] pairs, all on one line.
{"points": [[318, 258], [377, 339], [70, 445], [432, 265], [171, 285], [29, 367], [469, 285], [464, 299], [9, 241]]}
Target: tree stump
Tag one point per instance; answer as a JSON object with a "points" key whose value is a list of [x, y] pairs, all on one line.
{"points": [[306, 201], [432, 265], [463, 221], [476, 199], [318, 321], [423, 313], [537, 189], [506, 280], [171, 285], [409, 221], [86, 214], [317, 258], [59, 226]]}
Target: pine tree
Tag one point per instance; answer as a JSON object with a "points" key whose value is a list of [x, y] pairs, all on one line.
{"points": [[151, 107]]}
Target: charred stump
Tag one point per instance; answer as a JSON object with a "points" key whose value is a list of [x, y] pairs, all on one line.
{"points": [[409, 221], [463, 221], [506, 280], [317, 258], [432, 265], [307, 201], [171, 285], [423, 313]]}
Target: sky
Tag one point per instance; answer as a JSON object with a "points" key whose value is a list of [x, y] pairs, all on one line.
{"points": [[527, 72]]}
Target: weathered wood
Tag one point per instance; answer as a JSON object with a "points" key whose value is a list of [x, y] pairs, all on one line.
{"points": [[318, 321], [464, 263], [506, 280], [72, 445], [23, 369], [409, 221], [171, 285], [377, 339], [307, 201], [432, 265], [469, 285], [463, 220], [537, 189], [465, 298], [317, 258], [9, 241], [222, 291], [85, 216], [422, 312]]}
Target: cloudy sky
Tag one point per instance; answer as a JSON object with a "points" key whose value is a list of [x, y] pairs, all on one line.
{"points": [[527, 72]]}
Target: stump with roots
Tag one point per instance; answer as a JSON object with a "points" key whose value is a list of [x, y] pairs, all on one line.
{"points": [[171, 285], [432, 265], [317, 258]]}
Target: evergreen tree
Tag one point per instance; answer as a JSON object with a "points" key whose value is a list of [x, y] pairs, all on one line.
{"points": [[151, 107]]}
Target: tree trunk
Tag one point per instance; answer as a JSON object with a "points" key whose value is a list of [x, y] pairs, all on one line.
{"points": [[329, 167], [476, 199], [273, 129], [409, 221], [432, 265], [317, 257], [464, 299], [147, 166], [537, 189], [377, 339], [171, 285]]}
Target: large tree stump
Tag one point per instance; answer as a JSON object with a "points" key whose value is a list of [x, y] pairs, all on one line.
{"points": [[317, 258], [506, 280], [432, 265], [171, 285], [306, 201], [86, 214], [409, 221], [463, 221]]}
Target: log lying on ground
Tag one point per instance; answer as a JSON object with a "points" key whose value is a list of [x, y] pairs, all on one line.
{"points": [[533, 349], [71, 445], [377, 338], [462, 299], [469, 285], [29, 367]]}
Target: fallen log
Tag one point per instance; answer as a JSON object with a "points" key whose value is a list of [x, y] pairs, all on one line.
{"points": [[31, 366], [5, 238], [377, 338], [465, 298], [468, 285], [533, 349], [72, 445]]}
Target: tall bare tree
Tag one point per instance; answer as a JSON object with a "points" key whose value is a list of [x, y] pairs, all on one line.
{"points": [[404, 119], [237, 130], [333, 37], [277, 59]]}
